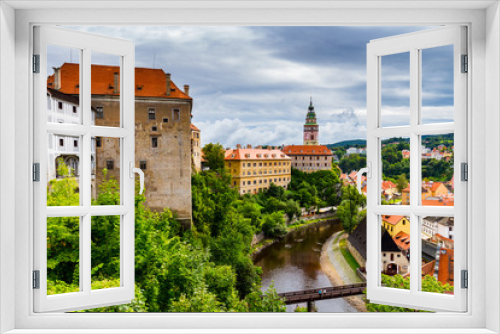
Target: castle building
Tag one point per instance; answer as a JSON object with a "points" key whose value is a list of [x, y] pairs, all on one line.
{"points": [[196, 147], [311, 128], [162, 131], [253, 170], [309, 158]]}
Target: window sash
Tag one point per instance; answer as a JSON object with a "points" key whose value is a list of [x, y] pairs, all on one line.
{"points": [[86, 297], [412, 43]]}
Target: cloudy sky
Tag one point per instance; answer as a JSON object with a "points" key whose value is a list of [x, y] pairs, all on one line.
{"points": [[251, 85]]}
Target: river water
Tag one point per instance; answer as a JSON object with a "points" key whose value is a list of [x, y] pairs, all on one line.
{"points": [[294, 264]]}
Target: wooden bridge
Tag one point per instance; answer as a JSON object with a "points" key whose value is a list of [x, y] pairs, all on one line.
{"points": [[312, 295]]}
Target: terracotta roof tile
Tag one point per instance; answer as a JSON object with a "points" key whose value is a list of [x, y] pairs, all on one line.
{"points": [[402, 239], [193, 127], [255, 154], [388, 185], [307, 150], [149, 82], [393, 220]]}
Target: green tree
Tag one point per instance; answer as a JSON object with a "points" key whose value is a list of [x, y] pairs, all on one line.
{"points": [[273, 225], [349, 209], [401, 182], [214, 156]]}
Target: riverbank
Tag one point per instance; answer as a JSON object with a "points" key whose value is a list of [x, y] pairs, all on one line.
{"points": [[259, 247], [338, 270]]}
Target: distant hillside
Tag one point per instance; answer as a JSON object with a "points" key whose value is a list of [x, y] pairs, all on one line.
{"points": [[348, 143]]}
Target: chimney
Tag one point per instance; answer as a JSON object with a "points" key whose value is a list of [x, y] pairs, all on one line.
{"points": [[117, 84], [186, 89], [249, 146], [259, 147], [168, 84], [238, 146], [57, 78]]}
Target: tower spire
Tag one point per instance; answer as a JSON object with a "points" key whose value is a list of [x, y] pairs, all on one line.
{"points": [[311, 128]]}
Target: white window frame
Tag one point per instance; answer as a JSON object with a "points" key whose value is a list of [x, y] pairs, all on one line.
{"points": [[86, 44], [484, 103], [413, 43]]}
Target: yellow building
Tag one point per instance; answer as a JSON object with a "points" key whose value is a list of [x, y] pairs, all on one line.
{"points": [[253, 170], [395, 224]]}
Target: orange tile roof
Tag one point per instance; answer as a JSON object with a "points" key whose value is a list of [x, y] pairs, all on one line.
{"points": [[149, 82], [402, 239], [193, 127], [307, 150], [388, 185], [435, 186], [255, 154], [435, 202], [393, 220]]}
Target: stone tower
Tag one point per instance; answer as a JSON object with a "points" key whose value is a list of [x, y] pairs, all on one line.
{"points": [[311, 128]]}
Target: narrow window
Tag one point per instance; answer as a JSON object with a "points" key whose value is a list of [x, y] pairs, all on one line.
{"points": [[151, 114], [59, 105], [142, 164], [177, 114], [165, 120], [75, 143], [110, 164], [61, 142], [154, 142], [154, 128], [98, 142], [74, 109], [99, 112]]}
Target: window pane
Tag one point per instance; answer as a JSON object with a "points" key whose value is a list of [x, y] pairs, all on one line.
{"points": [[105, 252], [395, 171], [63, 170], [395, 90], [63, 85], [106, 182], [395, 251], [63, 255], [437, 254], [437, 170], [437, 85], [106, 77]]}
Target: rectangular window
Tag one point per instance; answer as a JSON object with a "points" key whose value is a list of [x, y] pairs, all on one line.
{"points": [[176, 114], [75, 143], [61, 142], [151, 114], [165, 120], [99, 111], [154, 128], [74, 109], [98, 141], [154, 142], [110, 164], [59, 104], [142, 164]]}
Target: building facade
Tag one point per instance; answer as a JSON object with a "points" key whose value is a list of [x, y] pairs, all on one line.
{"points": [[162, 131], [253, 170], [311, 128], [195, 148], [63, 108], [309, 158]]}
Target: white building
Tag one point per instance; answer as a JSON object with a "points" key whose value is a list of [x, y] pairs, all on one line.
{"points": [[63, 108]]}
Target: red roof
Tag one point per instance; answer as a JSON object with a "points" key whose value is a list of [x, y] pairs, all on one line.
{"points": [[255, 154], [435, 202], [402, 239], [388, 185], [193, 127], [435, 186], [149, 82], [393, 220], [307, 150]]}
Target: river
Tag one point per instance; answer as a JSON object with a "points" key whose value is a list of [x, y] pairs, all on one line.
{"points": [[294, 264]]}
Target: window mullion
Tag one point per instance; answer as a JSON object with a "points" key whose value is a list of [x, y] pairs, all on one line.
{"points": [[414, 166]]}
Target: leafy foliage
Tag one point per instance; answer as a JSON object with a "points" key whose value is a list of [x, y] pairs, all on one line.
{"points": [[429, 284], [349, 209], [214, 156]]}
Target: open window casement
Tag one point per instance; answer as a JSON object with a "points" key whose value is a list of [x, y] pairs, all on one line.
{"points": [[450, 259], [64, 151]]}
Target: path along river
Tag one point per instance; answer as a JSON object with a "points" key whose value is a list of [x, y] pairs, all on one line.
{"points": [[294, 264]]}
